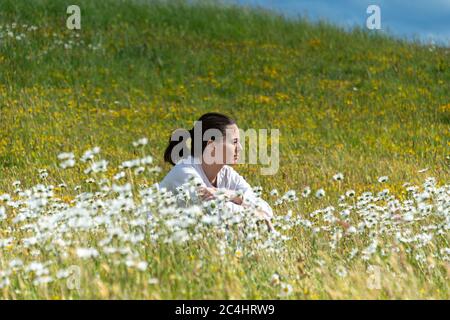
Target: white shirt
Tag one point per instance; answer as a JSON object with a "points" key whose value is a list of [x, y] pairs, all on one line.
{"points": [[227, 178]]}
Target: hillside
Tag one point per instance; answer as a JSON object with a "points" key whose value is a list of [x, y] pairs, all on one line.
{"points": [[362, 104]]}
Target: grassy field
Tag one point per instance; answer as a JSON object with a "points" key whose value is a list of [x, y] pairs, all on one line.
{"points": [[358, 103]]}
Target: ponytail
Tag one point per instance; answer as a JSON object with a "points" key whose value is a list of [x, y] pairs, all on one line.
{"points": [[207, 121], [182, 135]]}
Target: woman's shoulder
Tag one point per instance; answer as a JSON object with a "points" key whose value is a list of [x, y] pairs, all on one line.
{"points": [[230, 170], [231, 175], [179, 174], [183, 168], [227, 171]]}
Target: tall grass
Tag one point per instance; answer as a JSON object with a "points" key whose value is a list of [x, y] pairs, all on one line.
{"points": [[353, 102]]}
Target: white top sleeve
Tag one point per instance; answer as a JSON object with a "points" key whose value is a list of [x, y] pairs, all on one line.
{"points": [[178, 176], [238, 183], [228, 178]]}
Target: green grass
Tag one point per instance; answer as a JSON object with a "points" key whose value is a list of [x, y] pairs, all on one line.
{"points": [[354, 102]]}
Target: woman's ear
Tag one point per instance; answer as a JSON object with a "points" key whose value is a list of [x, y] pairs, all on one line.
{"points": [[210, 149], [213, 148], [210, 145]]}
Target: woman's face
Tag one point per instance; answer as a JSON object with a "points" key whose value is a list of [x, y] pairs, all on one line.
{"points": [[232, 145], [227, 149]]}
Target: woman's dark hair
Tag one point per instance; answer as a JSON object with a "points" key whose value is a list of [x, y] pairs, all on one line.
{"points": [[211, 120]]}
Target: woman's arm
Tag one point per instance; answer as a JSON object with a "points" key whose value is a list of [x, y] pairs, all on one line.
{"points": [[235, 204], [240, 196], [247, 197]]}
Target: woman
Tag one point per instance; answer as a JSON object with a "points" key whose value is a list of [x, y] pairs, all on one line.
{"points": [[210, 162]]}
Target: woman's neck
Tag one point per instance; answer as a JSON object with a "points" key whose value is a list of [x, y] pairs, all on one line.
{"points": [[211, 171]]}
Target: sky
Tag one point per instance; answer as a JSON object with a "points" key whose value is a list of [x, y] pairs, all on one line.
{"points": [[424, 20]]}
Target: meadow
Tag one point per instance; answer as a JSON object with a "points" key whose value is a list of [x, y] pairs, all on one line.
{"points": [[363, 119]]}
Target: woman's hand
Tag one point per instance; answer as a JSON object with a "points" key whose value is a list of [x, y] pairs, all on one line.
{"points": [[264, 216], [207, 193], [259, 213], [233, 197]]}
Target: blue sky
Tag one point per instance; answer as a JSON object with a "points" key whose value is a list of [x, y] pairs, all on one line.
{"points": [[427, 20]]}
